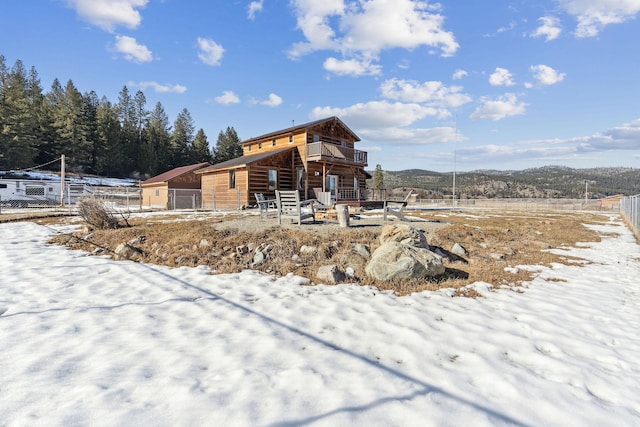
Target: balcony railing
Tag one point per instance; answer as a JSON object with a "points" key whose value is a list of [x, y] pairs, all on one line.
{"points": [[328, 151]]}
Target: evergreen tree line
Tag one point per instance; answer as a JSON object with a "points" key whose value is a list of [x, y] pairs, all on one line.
{"points": [[124, 139]]}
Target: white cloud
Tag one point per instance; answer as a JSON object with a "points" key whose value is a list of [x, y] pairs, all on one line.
{"points": [[131, 50], [159, 88], [210, 52], [273, 101], [549, 28], [109, 14], [434, 93], [254, 7], [594, 15], [499, 108], [459, 74], [410, 136], [501, 77], [351, 67], [546, 75], [227, 97], [363, 29], [377, 114]]}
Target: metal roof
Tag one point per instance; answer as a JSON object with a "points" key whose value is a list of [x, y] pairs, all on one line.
{"points": [[245, 160], [297, 128], [174, 173]]}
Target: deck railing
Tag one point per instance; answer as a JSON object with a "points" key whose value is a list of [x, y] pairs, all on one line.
{"points": [[326, 150], [351, 194]]}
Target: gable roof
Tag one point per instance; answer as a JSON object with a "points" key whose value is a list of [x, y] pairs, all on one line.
{"points": [[174, 173], [244, 160], [303, 126]]}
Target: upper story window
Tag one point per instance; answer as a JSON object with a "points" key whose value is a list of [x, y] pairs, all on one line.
{"points": [[316, 138], [273, 142], [343, 143], [259, 145], [249, 147], [290, 139]]}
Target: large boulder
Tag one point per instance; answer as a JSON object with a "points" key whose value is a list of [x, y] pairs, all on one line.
{"points": [[402, 233], [399, 261]]}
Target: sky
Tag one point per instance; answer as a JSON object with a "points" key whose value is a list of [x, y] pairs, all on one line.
{"points": [[120, 343], [442, 86]]}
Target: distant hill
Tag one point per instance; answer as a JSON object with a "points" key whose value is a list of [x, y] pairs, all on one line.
{"points": [[543, 182]]}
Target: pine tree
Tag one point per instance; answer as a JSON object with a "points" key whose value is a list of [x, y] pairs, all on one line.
{"points": [[128, 134], [182, 139], [158, 137], [201, 150], [17, 139], [228, 146], [111, 154], [378, 180]]}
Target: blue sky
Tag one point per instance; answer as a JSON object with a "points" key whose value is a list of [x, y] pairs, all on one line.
{"points": [[430, 85]]}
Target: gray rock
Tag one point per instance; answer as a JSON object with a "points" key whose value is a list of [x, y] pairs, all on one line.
{"points": [[458, 249], [259, 258], [361, 249], [398, 261], [204, 243], [403, 234], [125, 251], [330, 274]]}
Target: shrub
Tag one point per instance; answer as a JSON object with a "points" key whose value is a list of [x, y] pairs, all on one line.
{"points": [[96, 213]]}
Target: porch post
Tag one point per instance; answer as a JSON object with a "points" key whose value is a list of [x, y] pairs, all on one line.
{"points": [[324, 177]]}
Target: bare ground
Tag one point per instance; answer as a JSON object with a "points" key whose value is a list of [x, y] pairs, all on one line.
{"points": [[494, 242]]}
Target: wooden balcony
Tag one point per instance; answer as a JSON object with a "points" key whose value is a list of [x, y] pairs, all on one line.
{"points": [[319, 151]]}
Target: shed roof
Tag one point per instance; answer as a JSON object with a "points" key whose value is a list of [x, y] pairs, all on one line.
{"points": [[174, 173], [245, 160], [297, 128]]}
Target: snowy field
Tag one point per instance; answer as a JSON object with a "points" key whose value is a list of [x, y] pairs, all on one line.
{"points": [[86, 341]]}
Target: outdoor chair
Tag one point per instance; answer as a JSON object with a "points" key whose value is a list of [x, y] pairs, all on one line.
{"points": [[290, 206], [396, 208], [264, 204]]}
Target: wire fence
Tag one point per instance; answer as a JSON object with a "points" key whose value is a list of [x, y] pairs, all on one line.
{"points": [[515, 204], [630, 211]]}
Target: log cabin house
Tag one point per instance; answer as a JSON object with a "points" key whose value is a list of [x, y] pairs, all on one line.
{"points": [[317, 158]]}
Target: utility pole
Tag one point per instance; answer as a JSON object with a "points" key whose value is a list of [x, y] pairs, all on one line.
{"points": [[453, 201], [586, 192], [62, 180]]}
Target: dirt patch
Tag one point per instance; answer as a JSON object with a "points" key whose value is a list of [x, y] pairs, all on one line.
{"points": [[495, 245]]}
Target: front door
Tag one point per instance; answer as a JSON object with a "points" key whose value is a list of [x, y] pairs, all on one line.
{"points": [[331, 185]]}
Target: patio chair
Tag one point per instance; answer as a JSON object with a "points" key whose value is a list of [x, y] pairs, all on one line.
{"points": [[290, 206], [264, 204], [396, 208]]}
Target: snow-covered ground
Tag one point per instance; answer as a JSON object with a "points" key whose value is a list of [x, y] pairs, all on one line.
{"points": [[88, 341]]}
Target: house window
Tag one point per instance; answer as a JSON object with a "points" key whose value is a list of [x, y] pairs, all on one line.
{"points": [[343, 143], [157, 193], [273, 179], [3, 185], [259, 145], [273, 142], [232, 179], [290, 139], [316, 138], [249, 147]]}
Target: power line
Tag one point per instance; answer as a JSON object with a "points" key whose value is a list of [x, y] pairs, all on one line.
{"points": [[35, 167]]}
